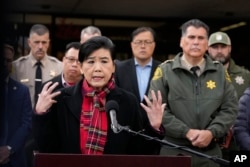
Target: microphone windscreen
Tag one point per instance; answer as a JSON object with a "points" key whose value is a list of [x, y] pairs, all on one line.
{"points": [[111, 105]]}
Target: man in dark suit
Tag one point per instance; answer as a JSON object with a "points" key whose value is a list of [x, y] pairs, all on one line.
{"points": [[15, 123], [71, 67], [134, 74], [70, 76]]}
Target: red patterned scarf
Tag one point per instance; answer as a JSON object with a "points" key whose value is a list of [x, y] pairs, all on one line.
{"points": [[93, 119]]}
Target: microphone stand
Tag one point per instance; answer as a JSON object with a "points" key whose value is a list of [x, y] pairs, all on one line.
{"points": [[218, 160]]}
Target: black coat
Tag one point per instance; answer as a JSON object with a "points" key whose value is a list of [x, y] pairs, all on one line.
{"points": [[58, 131], [125, 76]]}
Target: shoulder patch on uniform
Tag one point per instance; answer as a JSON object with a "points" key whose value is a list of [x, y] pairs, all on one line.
{"points": [[157, 73]]}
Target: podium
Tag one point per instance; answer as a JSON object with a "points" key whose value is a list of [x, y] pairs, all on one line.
{"points": [[79, 160]]}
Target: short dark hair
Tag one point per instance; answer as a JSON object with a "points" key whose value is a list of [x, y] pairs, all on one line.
{"points": [[94, 44], [195, 23], [75, 45], [39, 29], [143, 29]]}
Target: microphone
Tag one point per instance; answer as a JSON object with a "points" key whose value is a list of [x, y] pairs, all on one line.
{"points": [[111, 107]]}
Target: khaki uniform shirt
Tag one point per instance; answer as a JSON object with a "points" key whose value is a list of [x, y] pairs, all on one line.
{"points": [[24, 70]]}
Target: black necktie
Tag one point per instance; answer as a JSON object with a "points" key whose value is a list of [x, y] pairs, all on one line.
{"points": [[194, 70], [38, 80]]}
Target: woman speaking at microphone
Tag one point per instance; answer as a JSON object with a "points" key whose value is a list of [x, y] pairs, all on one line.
{"points": [[74, 120]]}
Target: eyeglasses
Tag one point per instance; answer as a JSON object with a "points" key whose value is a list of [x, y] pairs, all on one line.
{"points": [[146, 43], [72, 60]]}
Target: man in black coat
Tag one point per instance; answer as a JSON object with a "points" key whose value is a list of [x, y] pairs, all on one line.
{"points": [[134, 74], [71, 67]]}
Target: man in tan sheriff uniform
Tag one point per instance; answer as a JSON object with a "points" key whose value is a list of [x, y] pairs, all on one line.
{"points": [[24, 68]]}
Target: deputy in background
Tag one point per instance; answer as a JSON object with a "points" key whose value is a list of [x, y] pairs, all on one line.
{"points": [[37, 67], [219, 49], [34, 69]]}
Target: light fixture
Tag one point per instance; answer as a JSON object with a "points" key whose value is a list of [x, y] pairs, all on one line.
{"points": [[233, 26]]}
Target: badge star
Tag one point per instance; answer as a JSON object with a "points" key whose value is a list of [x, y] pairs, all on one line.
{"points": [[239, 80], [211, 84], [52, 73]]}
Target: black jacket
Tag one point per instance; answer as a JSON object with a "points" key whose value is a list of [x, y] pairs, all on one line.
{"points": [[125, 78], [59, 130]]}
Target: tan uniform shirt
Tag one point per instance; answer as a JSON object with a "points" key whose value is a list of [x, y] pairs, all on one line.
{"points": [[24, 70]]}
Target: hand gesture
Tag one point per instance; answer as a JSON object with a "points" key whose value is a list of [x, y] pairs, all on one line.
{"points": [[45, 98], [154, 109]]}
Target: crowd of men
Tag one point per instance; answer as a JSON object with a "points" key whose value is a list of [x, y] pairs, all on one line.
{"points": [[190, 100]]}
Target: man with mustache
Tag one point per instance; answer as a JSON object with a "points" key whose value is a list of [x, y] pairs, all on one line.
{"points": [[219, 49], [34, 69], [201, 101], [24, 68]]}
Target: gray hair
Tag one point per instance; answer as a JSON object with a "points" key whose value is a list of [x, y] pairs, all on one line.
{"points": [[195, 23], [91, 30], [39, 29]]}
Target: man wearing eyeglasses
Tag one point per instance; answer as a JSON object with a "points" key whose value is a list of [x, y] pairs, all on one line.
{"points": [[71, 74], [71, 67], [134, 74]]}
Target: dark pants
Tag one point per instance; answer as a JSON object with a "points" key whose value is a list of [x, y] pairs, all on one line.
{"points": [[226, 151], [30, 147], [197, 161]]}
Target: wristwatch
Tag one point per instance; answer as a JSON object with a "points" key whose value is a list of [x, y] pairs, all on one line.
{"points": [[10, 149]]}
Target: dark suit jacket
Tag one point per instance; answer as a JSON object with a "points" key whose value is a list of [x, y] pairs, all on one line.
{"points": [[18, 115], [58, 79], [61, 134], [125, 78]]}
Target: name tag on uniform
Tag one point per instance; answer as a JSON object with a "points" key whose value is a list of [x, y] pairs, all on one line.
{"points": [[38, 80], [24, 80]]}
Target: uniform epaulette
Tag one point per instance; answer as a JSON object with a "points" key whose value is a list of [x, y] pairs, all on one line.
{"points": [[52, 58], [167, 61], [22, 58]]}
